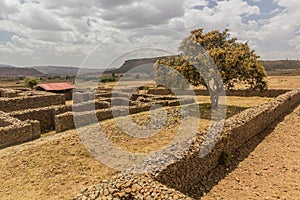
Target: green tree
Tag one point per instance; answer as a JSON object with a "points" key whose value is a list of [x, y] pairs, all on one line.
{"points": [[235, 61], [31, 82]]}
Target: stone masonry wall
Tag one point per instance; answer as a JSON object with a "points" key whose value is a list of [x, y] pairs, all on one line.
{"points": [[65, 121], [44, 115], [188, 169], [30, 102], [17, 131], [244, 93]]}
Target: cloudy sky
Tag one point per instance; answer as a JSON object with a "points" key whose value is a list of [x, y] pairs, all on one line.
{"points": [[64, 32]]}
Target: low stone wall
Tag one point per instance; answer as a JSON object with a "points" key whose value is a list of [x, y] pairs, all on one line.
{"points": [[90, 105], [247, 93], [62, 109], [243, 93], [80, 97], [130, 186], [15, 131], [30, 102], [44, 115], [8, 93], [185, 171], [85, 112], [159, 91], [65, 121]]}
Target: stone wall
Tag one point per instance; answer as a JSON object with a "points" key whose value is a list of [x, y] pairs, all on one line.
{"points": [[185, 171], [130, 186], [44, 115], [65, 121], [8, 93], [15, 131], [159, 91], [247, 93], [31, 102], [90, 105], [85, 112], [244, 93]]}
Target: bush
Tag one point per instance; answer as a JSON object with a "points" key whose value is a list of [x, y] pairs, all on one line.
{"points": [[31, 82], [225, 158], [108, 79]]}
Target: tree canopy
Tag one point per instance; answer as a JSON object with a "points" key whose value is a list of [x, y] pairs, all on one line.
{"points": [[236, 62]]}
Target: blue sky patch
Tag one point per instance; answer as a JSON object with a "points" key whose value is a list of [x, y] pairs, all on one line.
{"points": [[5, 36]]}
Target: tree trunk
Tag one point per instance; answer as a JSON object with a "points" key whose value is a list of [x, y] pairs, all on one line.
{"points": [[214, 97]]}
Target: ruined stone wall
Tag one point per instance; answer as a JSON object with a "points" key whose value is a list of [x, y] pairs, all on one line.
{"points": [[184, 171], [247, 93], [44, 115], [85, 112], [8, 93], [31, 102], [15, 131], [90, 105], [130, 186], [65, 121], [243, 93], [187, 171]]}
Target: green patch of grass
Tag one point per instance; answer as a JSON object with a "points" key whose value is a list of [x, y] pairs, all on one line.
{"points": [[225, 158]]}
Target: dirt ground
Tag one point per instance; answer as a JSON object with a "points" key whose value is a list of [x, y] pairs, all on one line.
{"points": [[57, 166], [270, 169]]}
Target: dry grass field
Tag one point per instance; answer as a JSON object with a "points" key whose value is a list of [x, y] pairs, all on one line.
{"points": [[57, 166]]}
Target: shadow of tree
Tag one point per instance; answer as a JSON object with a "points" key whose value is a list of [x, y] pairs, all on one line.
{"points": [[207, 182], [205, 110]]}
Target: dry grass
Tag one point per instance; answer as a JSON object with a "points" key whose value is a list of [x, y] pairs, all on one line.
{"points": [[57, 166], [284, 82]]}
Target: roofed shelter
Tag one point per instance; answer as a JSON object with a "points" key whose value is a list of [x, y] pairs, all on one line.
{"points": [[63, 88]]}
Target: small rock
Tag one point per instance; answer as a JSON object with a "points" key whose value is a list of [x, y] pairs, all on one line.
{"points": [[128, 190], [106, 192]]}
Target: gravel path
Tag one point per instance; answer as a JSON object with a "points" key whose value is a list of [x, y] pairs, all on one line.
{"points": [[270, 171]]}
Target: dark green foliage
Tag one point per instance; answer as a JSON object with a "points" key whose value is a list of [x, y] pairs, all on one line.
{"points": [[235, 61], [225, 158], [108, 79], [31, 82]]}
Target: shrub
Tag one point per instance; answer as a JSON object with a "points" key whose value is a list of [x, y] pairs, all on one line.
{"points": [[31, 82], [225, 158], [108, 79]]}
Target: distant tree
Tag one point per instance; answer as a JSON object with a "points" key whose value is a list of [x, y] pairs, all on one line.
{"points": [[236, 62], [31, 82]]}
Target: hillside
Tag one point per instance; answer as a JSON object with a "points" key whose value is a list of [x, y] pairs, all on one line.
{"points": [[11, 71], [282, 67], [281, 64], [65, 71], [278, 67], [143, 65]]}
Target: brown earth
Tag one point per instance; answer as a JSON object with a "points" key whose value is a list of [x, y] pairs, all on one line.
{"points": [[267, 168], [58, 166]]}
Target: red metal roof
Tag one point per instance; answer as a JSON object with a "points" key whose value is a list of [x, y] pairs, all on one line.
{"points": [[56, 86]]}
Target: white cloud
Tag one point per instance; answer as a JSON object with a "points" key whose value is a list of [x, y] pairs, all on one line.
{"points": [[57, 31]]}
